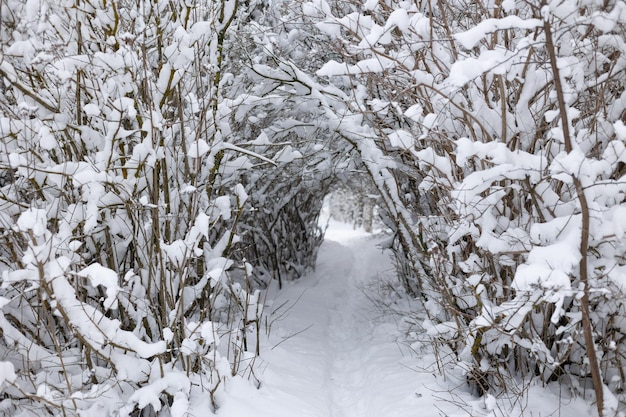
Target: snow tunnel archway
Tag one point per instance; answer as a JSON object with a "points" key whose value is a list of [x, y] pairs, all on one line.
{"points": [[288, 220]]}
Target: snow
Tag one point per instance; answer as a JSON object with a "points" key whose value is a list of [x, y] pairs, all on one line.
{"points": [[401, 139], [332, 67], [177, 251], [620, 130], [400, 19], [222, 207], [288, 154], [370, 5], [414, 112], [32, 9], [7, 372], [331, 355], [33, 219], [606, 22], [94, 327], [241, 194], [496, 61], [370, 65], [100, 275], [430, 121], [378, 35], [198, 149], [216, 268], [508, 5], [171, 382], [91, 109], [180, 406], [46, 139], [470, 38], [345, 340]]}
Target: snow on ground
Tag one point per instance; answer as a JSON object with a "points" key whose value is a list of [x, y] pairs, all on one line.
{"points": [[336, 349]]}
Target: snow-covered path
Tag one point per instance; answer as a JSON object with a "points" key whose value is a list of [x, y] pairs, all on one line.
{"points": [[344, 357], [357, 354], [331, 351]]}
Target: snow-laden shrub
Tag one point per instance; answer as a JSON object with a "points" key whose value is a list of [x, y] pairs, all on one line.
{"points": [[119, 202], [494, 133]]}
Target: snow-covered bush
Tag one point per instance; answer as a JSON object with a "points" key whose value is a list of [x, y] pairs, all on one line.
{"points": [[161, 158], [120, 196], [494, 132]]}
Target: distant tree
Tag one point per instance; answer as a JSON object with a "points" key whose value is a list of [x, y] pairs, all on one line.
{"points": [[353, 201]]}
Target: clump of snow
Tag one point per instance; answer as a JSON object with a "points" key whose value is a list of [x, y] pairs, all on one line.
{"points": [[370, 5], [332, 67], [400, 19], [430, 121], [415, 112], [470, 38], [91, 109], [34, 220], [509, 6], [47, 140], [222, 208], [368, 65], [100, 275], [401, 139], [620, 130], [241, 194], [177, 251], [288, 154], [172, 383], [7, 373], [495, 61], [216, 268], [198, 149], [606, 22]]}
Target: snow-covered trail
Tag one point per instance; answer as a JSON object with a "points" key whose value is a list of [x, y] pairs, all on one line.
{"points": [[329, 351], [358, 368]]}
